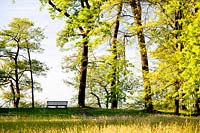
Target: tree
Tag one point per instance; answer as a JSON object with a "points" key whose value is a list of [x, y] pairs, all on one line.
{"points": [[91, 25], [19, 39], [191, 65], [99, 80], [110, 80], [32, 44], [137, 12], [175, 76], [80, 20], [114, 99], [101, 32]]}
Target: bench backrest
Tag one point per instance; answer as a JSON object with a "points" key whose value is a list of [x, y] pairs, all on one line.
{"points": [[57, 103]]}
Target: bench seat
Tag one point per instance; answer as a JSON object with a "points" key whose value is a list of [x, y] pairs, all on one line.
{"points": [[57, 104]]}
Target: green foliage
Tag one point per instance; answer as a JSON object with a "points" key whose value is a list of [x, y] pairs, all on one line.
{"points": [[99, 79], [173, 33], [96, 25], [177, 53], [20, 35]]}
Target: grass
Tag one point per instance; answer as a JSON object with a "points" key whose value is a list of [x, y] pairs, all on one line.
{"points": [[76, 120]]}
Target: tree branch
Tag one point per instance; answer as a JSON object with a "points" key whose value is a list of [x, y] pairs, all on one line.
{"points": [[66, 14], [98, 99], [58, 9]]}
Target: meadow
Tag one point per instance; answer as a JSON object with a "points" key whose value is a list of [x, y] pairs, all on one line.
{"points": [[76, 120]]}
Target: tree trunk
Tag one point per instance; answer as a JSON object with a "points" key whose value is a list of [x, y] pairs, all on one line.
{"points": [[13, 92], [176, 107], [114, 98], [176, 100], [179, 46], [137, 12], [31, 72], [197, 101], [196, 106], [16, 102], [83, 74], [84, 61], [107, 97]]}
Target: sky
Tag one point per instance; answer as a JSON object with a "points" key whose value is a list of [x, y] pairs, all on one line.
{"points": [[53, 85]]}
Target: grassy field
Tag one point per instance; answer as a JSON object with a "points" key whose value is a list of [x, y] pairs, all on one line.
{"points": [[76, 120]]}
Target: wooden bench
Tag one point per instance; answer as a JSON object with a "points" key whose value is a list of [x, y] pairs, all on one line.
{"points": [[57, 104]]}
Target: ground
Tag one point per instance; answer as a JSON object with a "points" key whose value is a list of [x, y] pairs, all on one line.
{"points": [[78, 120]]}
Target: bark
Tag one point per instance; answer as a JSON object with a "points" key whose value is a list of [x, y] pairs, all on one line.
{"points": [[83, 74], [137, 12], [31, 73], [13, 92], [176, 107], [16, 102], [197, 108], [176, 100], [84, 62], [114, 99]]}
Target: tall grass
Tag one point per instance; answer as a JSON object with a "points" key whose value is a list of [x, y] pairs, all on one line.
{"points": [[75, 122]]}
